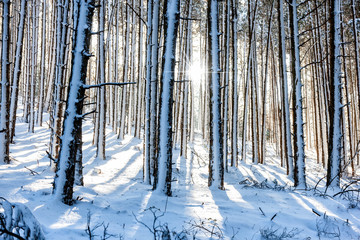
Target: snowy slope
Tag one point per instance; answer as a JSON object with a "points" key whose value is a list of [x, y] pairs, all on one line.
{"points": [[258, 200]]}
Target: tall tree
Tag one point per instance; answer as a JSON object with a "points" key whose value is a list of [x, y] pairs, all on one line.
{"points": [[17, 69], [299, 145], [147, 133], [5, 84], [226, 82], [216, 167], [34, 55], [154, 66], [62, 9], [64, 178], [171, 22], [335, 106], [102, 102], [234, 125], [284, 91], [263, 124], [185, 129], [234, 137], [124, 97], [356, 46], [42, 70]]}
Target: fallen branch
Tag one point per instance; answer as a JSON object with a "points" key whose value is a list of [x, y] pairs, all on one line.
{"points": [[273, 217], [262, 212], [314, 211], [32, 171]]}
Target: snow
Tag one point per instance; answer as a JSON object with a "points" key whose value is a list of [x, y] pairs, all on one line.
{"points": [[114, 193]]}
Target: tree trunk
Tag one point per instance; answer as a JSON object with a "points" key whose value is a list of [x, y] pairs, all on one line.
{"points": [[335, 108], [64, 178], [154, 83], [17, 70], [172, 12], [147, 155], [57, 114], [5, 84], [284, 90], [234, 137], [299, 153], [216, 166], [42, 76], [102, 103]]}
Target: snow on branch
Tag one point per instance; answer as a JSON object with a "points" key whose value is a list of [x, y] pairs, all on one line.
{"points": [[190, 19], [17, 221]]}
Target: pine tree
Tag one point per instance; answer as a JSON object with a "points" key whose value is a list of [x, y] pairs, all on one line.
{"points": [[17, 70], [171, 22], [284, 91], [216, 167], [5, 84], [299, 145], [64, 178], [335, 106]]}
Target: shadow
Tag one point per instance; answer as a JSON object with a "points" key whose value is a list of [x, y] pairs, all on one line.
{"points": [[118, 174]]}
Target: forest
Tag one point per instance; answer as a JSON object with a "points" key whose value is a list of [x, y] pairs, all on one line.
{"points": [[180, 119]]}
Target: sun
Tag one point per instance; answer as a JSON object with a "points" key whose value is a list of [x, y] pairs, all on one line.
{"points": [[196, 72]]}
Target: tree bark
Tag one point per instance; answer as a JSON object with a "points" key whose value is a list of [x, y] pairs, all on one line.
{"points": [[335, 108], [5, 84], [64, 178], [216, 166], [172, 12], [299, 146]]}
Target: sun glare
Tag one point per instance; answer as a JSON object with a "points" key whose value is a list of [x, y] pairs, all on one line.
{"points": [[196, 72]]}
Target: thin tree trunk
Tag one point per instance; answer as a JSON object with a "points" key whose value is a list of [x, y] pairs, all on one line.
{"points": [[154, 82], [33, 65], [102, 103], [226, 83], [234, 141], [42, 76], [17, 70], [147, 155], [5, 84], [285, 101], [263, 142], [299, 153]]}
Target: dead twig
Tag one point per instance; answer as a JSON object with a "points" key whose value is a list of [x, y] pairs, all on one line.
{"points": [[32, 171]]}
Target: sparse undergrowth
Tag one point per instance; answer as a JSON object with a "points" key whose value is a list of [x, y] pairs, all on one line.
{"points": [[265, 184], [208, 228], [272, 233]]}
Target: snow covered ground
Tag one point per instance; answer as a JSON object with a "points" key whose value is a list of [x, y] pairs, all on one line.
{"points": [[258, 202]]}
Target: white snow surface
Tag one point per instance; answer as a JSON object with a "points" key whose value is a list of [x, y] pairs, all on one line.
{"points": [[114, 193]]}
